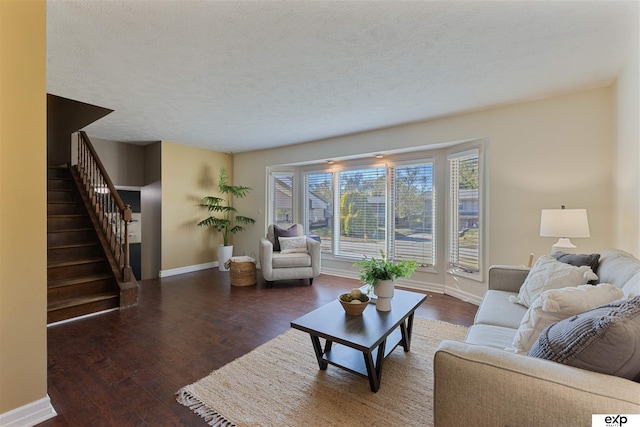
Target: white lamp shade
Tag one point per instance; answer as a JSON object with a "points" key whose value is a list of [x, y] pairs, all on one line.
{"points": [[564, 223]]}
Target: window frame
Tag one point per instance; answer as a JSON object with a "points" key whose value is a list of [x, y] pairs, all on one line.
{"points": [[460, 151], [392, 178], [273, 175], [305, 210]]}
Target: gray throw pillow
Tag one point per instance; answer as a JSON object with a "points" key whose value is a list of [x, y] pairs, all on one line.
{"points": [[578, 260], [281, 232], [605, 339]]}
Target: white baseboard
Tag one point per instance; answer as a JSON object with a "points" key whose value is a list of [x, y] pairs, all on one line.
{"points": [[29, 415], [188, 269], [462, 295]]}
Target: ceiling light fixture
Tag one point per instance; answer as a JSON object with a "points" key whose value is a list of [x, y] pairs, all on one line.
{"points": [[379, 156]]}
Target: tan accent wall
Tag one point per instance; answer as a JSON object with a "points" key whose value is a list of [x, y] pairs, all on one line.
{"points": [[188, 174], [23, 204], [542, 154], [627, 157]]}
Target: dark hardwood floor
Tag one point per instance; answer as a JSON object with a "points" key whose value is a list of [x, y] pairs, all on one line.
{"points": [[123, 368]]}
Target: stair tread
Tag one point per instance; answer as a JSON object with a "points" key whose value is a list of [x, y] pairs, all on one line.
{"points": [[74, 245], [77, 280], [76, 262], [75, 301], [66, 230]]}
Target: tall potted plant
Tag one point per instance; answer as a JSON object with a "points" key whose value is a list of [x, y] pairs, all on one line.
{"points": [[227, 221], [381, 273]]}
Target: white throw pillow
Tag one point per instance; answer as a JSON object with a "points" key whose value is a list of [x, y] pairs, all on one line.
{"points": [[547, 273], [558, 304], [290, 245]]}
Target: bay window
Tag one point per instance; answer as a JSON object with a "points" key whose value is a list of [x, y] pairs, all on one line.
{"points": [[402, 207]]}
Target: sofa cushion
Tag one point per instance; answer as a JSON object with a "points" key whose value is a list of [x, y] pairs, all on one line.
{"points": [[497, 310], [280, 260], [605, 339], [632, 287], [491, 336], [281, 232], [548, 273], [617, 267], [289, 245], [557, 304]]}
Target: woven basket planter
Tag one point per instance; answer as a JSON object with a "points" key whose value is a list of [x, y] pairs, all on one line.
{"points": [[242, 271]]}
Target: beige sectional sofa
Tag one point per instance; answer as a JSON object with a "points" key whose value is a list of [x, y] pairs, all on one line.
{"points": [[479, 383]]}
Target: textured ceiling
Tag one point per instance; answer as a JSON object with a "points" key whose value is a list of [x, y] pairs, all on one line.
{"points": [[238, 76]]}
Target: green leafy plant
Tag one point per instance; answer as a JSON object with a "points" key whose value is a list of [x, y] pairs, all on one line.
{"points": [[373, 269], [228, 222]]}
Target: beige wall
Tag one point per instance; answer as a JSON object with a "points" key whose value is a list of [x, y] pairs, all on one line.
{"points": [[23, 198], [627, 160], [188, 174], [151, 201], [542, 154], [124, 162]]}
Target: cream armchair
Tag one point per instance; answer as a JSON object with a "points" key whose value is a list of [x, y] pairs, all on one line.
{"points": [[301, 263]]}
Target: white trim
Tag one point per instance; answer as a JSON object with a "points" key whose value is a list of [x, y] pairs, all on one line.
{"points": [[188, 269], [73, 319], [462, 295], [29, 415]]}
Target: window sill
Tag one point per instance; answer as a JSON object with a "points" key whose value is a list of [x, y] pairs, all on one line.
{"points": [[455, 271]]}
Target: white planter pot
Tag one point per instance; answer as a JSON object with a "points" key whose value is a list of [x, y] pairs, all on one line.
{"points": [[384, 292], [224, 253]]}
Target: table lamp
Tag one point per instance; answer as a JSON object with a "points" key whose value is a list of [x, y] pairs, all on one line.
{"points": [[564, 223]]}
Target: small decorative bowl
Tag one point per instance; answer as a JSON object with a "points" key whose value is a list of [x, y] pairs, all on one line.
{"points": [[354, 309]]}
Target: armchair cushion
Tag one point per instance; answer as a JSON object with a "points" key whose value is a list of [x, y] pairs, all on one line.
{"points": [[281, 260]]}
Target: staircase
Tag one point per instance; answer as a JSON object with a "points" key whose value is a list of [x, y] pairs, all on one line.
{"points": [[80, 279]]}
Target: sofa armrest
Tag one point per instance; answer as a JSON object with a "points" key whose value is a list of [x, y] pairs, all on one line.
{"points": [[506, 277], [478, 385], [313, 247], [266, 257]]}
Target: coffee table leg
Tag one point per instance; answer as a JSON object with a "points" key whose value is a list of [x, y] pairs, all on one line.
{"points": [[374, 371], [406, 329], [318, 350]]}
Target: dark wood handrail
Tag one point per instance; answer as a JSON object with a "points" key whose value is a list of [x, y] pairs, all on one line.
{"points": [[113, 215], [103, 171]]}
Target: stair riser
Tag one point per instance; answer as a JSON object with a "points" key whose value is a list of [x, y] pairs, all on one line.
{"points": [[81, 310], [81, 289], [71, 237], [62, 196], [69, 254], [67, 222], [58, 173], [77, 270], [65, 209], [60, 184]]}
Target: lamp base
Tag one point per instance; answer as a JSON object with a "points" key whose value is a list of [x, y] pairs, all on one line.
{"points": [[564, 245]]}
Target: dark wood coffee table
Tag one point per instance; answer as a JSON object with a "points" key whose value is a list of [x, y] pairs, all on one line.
{"points": [[362, 341]]}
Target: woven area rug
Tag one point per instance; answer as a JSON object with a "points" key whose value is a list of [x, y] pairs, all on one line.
{"points": [[279, 384]]}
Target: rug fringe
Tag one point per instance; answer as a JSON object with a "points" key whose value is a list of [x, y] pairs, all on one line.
{"points": [[210, 416]]}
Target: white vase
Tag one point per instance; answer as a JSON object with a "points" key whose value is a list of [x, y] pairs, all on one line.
{"points": [[384, 292], [224, 253]]}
